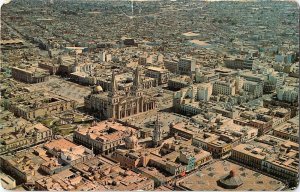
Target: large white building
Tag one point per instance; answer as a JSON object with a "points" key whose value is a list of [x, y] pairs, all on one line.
{"points": [[204, 91], [289, 94], [187, 99]]}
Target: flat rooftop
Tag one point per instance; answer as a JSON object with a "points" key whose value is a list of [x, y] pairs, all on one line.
{"points": [[206, 179], [190, 34], [200, 43], [106, 131], [147, 121]]}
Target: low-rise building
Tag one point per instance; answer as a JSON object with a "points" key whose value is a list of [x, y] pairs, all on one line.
{"points": [[218, 145], [272, 155], [224, 175], [287, 131], [103, 137], [38, 104], [23, 136], [106, 175], [126, 180], [64, 181], [68, 152], [27, 166], [7, 182], [30, 74], [260, 121], [178, 157], [94, 168], [52, 68]]}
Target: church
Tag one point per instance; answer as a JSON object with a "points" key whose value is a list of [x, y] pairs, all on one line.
{"points": [[119, 104]]}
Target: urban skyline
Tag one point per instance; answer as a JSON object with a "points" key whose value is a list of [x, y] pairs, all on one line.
{"points": [[149, 95]]}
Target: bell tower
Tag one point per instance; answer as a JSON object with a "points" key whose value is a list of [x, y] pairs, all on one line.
{"points": [[137, 90], [113, 98], [113, 86], [157, 134]]}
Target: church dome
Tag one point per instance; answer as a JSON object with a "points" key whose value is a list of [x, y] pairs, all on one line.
{"points": [[230, 181], [172, 124], [98, 89], [131, 139]]}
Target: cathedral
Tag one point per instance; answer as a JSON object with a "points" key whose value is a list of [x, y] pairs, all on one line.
{"points": [[119, 104]]}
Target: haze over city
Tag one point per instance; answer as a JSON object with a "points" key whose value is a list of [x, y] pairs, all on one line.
{"points": [[149, 95]]}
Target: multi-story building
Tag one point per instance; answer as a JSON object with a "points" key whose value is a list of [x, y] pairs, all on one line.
{"points": [[104, 56], [188, 97], [234, 63], [161, 75], [254, 88], [288, 94], [205, 76], [186, 66], [146, 59], [277, 79], [171, 65], [204, 91], [249, 63], [224, 87]]}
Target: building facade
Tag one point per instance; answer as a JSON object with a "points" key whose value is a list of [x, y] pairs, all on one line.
{"points": [[30, 74], [120, 104]]}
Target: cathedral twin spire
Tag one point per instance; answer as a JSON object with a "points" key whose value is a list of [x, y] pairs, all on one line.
{"points": [[136, 81], [114, 85]]}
